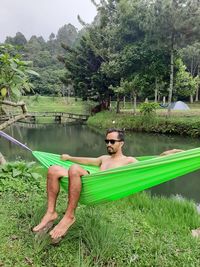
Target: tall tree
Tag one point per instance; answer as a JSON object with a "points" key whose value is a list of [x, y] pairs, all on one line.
{"points": [[191, 57], [170, 24], [185, 83]]}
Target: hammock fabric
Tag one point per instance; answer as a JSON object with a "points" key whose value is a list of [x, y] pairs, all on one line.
{"points": [[112, 184], [116, 183]]}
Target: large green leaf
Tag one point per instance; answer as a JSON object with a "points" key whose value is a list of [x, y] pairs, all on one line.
{"points": [[32, 72], [3, 91], [16, 91]]}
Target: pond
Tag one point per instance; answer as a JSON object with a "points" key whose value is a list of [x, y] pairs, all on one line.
{"points": [[80, 140]]}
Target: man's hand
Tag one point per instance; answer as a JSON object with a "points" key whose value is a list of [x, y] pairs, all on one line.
{"points": [[65, 157], [172, 151]]}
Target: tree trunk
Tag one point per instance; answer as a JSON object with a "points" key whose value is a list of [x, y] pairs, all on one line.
{"points": [[134, 102], [156, 91], [171, 75], [164, 100], [197, 90], [124, 102], [197, 94], [191, 99], [110, 103], [118, 105]]}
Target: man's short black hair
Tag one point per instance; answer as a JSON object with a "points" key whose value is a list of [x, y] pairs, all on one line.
{"points": [[119, 131]]}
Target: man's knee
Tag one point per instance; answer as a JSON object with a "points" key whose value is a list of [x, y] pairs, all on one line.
{"points": [[56, 172], [76, 169]]}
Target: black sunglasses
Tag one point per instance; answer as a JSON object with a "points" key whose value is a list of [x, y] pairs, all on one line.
{"points": [[112, 141]]}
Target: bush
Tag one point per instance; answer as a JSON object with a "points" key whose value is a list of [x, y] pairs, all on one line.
{"points": [[148, 108], [19, 177]]}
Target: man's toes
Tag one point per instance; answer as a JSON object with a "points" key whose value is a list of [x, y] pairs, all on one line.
{"points": [[53, 233], [36, 228]]}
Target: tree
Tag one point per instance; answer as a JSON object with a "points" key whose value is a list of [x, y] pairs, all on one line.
{"points": [[185, 84], [66, 35], [14, 80], [191, 57], [119, 91], [14, 72], [171, 23], [19, 39]]}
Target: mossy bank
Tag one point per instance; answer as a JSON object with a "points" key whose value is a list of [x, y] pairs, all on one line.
{"points": [[143, 123]]}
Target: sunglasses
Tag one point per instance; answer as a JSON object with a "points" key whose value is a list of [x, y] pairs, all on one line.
{"points": [[112, 141]]}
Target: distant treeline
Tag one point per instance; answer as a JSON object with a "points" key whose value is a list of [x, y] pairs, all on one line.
{"points": [[134, 48], [44, 56]]}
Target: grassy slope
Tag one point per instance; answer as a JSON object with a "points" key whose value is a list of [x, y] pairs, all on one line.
{"points": [[136, 231], [45, 103], [54, 104]]}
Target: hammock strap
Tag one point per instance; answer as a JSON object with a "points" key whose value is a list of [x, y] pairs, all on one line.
{"points": [[13, 140]]}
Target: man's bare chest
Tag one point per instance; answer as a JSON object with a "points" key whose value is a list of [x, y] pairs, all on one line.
{"points": [[112, 163]]}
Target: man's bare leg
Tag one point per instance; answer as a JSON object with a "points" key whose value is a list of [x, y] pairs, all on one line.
{"points": [[75, 185], [53, 188]]}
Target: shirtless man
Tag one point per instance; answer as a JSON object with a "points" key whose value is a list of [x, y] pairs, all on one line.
{"points": [[114, 143]]}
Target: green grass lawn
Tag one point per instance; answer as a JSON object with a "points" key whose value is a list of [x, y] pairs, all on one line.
{"points": [[44, 103], [52, 104], [137, 231]]}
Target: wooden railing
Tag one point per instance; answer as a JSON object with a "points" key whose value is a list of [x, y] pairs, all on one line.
{"points": [[58, 116]]}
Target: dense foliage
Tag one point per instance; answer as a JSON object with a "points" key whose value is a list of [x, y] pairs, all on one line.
{"points": [[19, 178], [43, 57], [14, 73], [134, 48], [137, 42]]}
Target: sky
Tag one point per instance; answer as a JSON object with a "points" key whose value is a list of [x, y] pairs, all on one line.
{"points": [[42, 17]]}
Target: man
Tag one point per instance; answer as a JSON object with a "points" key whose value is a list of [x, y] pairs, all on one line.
{"points": [[114, 143]]}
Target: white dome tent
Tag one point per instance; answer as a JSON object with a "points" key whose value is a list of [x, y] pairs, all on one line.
{"points": [[179, 105]]}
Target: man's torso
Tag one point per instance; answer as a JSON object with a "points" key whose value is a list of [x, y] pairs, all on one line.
{"points": [[108, 162]]}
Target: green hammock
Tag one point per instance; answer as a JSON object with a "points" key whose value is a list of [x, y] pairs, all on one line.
{"points": [[112, 184]]}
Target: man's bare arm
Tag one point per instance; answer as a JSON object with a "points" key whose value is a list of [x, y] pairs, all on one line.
{"points": [[83, 160]]}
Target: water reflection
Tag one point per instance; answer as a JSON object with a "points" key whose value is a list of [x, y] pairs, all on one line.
{"points": [[83, 141]]}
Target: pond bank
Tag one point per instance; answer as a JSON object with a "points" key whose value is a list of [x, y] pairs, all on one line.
{"points": [[152, 124]]}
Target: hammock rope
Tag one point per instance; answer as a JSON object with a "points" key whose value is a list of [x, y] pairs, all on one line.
{"points": [[116, 183]]}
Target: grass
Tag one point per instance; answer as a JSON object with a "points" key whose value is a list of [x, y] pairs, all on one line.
{"points": [[156, 124], [58, 104], [52, 104], [137, 231]]}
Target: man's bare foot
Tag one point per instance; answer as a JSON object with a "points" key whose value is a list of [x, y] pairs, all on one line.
{"points": [[196, 232], [46, 222], [61, 228]]}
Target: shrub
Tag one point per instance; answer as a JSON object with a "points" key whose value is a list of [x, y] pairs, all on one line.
{"points": [[19, 177], [148, 108]]}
